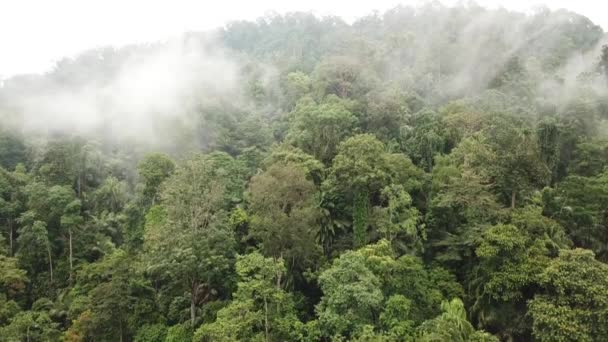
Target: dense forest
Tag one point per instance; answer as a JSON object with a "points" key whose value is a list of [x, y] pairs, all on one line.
{"points": [[430, 173]]}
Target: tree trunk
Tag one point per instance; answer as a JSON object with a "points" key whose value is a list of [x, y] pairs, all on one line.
{"points": [[71, 255], [10, 236], [279, 273], [120, 329], [192, 312], [193, 303], [48, 249], [513, 196], [78, 181], [266, 318]]}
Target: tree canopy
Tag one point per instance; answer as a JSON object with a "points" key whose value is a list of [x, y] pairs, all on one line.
{"points": [[430, 173]]}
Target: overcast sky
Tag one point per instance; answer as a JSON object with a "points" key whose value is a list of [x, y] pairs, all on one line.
{"points": [[36, 33]]}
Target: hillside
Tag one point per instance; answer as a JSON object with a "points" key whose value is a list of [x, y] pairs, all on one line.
{"points": [[426, 174]]}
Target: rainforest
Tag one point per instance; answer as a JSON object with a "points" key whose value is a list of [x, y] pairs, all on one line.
{"points": [[428, 173]]}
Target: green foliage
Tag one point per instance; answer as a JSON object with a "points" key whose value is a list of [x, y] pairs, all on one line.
{"points": [[109, 299], [352, 296], [153, 169], [387, 112], [151, 333], [573, 303], [31, 326], [34, 248], [287, 154], [519, 166], [112, 195], [178, 333], [318, 128], [394, 318], [604, 61], [461, 202], [452, 325], [590, 158], [284, 216], [579, 204], [260, 309], [360, 218], [297, 85], [187, 243], [12, 149], [511, 259], [361, 170], [399, 219], [8, 310], [368, 175], [425, 140], [12, 278], [371, 286], [360, 164]]}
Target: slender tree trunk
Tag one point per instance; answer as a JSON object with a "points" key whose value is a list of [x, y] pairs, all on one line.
{"points": [[10, 236], [193, 303], [266, 318], [192, 312], [48, 249], [279, 273], [71, 255], [513, 196], [79, 182], [120, 329]]}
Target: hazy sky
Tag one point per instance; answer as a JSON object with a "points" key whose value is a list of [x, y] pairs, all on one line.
{"points": [[36, 33]]}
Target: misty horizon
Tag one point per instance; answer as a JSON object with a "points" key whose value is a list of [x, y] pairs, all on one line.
{"points": [[527, 7], [170, 81]]}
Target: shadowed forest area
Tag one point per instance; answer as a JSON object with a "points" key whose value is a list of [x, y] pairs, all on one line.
{"points": [[430, 173]]}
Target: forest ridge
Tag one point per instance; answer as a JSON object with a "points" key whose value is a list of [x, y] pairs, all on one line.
{"points": [[429, 173]]}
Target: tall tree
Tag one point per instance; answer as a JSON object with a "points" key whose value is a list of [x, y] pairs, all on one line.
{"points": [[71, 220], [284, 217], [319, 128], [361, 170], [573, 302], [153, 170], [260, 309], [452, 325], [604, 61], [34, 246], [188, 244], [12, 201]]}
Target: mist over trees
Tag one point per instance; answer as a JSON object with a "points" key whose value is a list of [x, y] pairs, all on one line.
{"points": [[430, 173]]}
